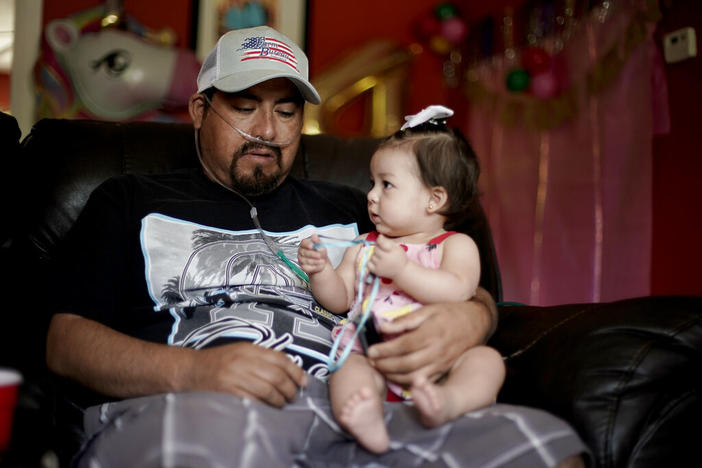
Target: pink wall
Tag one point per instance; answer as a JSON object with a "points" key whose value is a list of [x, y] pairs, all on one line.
{"points": [[333, 31]]}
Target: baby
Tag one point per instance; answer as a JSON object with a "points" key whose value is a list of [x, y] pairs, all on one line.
{"points": [[424, 180]]}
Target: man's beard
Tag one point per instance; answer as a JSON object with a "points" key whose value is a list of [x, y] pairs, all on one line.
{"points": [[256, 183]]}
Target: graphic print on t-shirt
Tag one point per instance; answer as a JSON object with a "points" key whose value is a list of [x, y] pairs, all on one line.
{"points": [[222, 286]]}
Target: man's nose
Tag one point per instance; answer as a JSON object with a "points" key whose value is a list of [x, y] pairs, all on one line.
{"points": [[263, 125]]}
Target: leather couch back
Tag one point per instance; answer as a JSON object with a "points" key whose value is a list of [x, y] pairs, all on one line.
{"points": [[9, 150], [66, 159]]}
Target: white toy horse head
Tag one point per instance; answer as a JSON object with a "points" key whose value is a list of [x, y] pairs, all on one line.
{"points": [[113, 74]]}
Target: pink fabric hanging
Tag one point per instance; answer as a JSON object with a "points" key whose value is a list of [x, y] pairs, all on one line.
{"points": [[570, 207]]}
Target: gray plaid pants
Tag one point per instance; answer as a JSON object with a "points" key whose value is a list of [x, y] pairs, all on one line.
{"points": [[219, 430]]}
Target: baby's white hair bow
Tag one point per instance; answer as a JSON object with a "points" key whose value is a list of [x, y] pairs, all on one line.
{"points": [[429, 114]]}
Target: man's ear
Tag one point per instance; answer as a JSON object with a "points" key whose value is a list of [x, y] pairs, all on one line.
{"points": [[437, 200], [196, 107]]}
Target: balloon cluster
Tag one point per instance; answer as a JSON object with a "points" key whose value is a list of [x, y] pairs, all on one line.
{"points": [[540, 74], [442, 29]]}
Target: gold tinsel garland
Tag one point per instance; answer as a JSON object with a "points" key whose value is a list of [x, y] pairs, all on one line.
{"points": [[545, 114]]}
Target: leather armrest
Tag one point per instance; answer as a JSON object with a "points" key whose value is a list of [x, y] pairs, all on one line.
{"points": [[625, 374]]}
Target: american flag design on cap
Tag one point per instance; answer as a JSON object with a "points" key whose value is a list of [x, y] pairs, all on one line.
{"points": [[262, 47]]}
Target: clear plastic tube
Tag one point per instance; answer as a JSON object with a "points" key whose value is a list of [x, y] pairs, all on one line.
{"points": [[249, 137]]}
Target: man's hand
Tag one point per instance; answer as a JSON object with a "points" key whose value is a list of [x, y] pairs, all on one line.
{"points": [[122, 366], [248, 371], [433, 337]]}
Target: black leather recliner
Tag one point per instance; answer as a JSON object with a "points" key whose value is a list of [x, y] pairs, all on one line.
{"points": [[626, 375]]}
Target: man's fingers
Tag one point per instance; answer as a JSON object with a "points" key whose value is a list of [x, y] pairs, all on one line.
{"points": [[273, 390], [410, 355], [408, 375], [407, 346], [397, 364], [407, 369], [279, 360], [400, 357], [258, 373], [405, 323], [270, 384]]}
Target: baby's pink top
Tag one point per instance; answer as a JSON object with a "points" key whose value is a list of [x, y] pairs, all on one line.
{"points": [[390, 299]]}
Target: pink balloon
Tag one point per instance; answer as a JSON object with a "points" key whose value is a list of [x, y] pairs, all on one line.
{"points": [[454, 30], [544, 85]]}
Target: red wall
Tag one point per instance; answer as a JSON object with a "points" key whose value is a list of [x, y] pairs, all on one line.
{"points": [[4, 92], [334, 30], [677, 168]]}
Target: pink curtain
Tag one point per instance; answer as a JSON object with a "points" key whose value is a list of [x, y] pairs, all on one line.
{"points": [[570, 205]]}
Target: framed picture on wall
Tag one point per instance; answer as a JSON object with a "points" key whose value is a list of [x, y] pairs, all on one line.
{"points": [[215, 17]]}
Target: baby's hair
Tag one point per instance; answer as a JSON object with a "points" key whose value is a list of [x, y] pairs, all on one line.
{"points": [[445, 159]]}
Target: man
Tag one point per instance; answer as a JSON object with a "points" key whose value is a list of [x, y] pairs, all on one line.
{"points": [[180, 308]]}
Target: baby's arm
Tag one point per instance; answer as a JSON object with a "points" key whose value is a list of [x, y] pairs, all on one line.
{"points": [[333, 289], [455, 280]]}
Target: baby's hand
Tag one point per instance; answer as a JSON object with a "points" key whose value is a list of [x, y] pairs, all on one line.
{"points": [[312, 260], [388, 259]]}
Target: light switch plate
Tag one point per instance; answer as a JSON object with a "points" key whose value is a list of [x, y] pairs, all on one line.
{"points": [[680, 45]]}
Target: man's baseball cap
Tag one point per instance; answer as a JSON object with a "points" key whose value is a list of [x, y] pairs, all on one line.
{"points": [[246, 57]]}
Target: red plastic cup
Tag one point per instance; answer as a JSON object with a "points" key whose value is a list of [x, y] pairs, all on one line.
{"points": [[10, 381]]}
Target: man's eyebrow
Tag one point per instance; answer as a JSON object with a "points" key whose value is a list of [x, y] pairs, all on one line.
{"points": [[246, 95], [294, 99]]}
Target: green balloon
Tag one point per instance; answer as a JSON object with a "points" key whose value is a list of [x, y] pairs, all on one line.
{"points": [[517, 80], [446, 11]]}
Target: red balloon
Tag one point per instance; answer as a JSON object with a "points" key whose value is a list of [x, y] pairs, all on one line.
{"points": [[427, 27], [536, 60]]}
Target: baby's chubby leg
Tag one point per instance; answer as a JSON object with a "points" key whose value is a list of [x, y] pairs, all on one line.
{"points": [[356, 391], [472, 383]]}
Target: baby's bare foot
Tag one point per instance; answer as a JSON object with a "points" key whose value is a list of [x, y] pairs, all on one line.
{"points": [[433, 403], [362, 416]]}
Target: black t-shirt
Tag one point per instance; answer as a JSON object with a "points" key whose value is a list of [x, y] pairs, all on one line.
{"points": [[176, 259]]}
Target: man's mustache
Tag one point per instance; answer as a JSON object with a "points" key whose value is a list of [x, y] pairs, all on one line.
{"points": [[250, 146]]}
